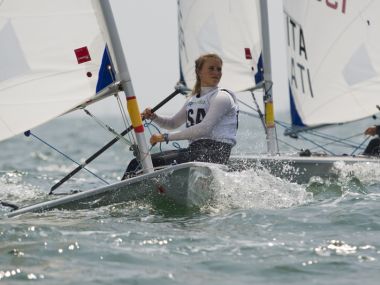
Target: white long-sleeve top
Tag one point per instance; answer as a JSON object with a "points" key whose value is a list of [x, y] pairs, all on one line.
{"points": [[212, 114]]}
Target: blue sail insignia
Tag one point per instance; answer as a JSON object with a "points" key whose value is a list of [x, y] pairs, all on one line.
{"points": [[295, 117], [106, 74]]}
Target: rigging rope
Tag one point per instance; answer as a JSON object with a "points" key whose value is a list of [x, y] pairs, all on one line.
{"points": [[261, 115], [360, 145], [122, 111], [336, 140], [124, 116], [29, 133], [108, 128], [323, 136]]}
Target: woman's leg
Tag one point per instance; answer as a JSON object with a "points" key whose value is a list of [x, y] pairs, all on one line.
{"points": [[158, 159], [373, 147], [131, 170], [201, 150], [210, 151]]}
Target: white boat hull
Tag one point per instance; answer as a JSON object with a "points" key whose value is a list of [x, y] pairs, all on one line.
{"points": [[299, 169], [187, 184], [191, 184]]}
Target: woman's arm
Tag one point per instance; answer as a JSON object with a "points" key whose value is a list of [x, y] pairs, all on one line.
{"points": [[172, 122], [220, 105], [371, 131]]}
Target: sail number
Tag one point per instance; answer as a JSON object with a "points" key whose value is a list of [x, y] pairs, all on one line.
{"points": [[339, 5], [193, 119], [300, 77]]}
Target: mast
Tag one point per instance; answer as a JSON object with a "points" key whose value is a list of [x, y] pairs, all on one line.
{"points": [[126, 83], [267, 65]]}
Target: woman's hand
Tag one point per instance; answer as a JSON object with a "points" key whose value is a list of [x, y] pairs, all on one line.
{"points": [[370, 131], [156, 138], [148, 114]]}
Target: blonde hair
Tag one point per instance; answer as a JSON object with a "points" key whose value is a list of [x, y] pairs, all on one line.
{"points": [[198, 66]]}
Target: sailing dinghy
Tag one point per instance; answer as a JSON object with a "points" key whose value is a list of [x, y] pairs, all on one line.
{"points": [[328, 68], [333, 71], [76, 59], [188, 185]]}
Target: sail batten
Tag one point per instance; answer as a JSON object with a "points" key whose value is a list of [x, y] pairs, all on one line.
{"points": [[51, 55]]}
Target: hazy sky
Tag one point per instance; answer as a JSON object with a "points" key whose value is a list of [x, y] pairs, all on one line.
{"points": [[148, 31]]}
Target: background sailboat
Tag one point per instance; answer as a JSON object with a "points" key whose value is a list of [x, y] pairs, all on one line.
{"points": [[334, 63], [304, 167], [333, 66]]}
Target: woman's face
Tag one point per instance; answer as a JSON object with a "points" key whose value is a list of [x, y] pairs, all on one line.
{"points": [[210, 73]]}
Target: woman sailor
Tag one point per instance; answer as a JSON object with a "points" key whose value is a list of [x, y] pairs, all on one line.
{"points": [[211, 117]]}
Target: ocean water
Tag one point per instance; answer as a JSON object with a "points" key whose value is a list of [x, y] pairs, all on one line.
{"points": [[260, 230]]}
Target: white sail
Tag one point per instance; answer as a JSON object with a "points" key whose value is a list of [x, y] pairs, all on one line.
{"points": [[51, 52], [333, 59], [226, 27]]}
